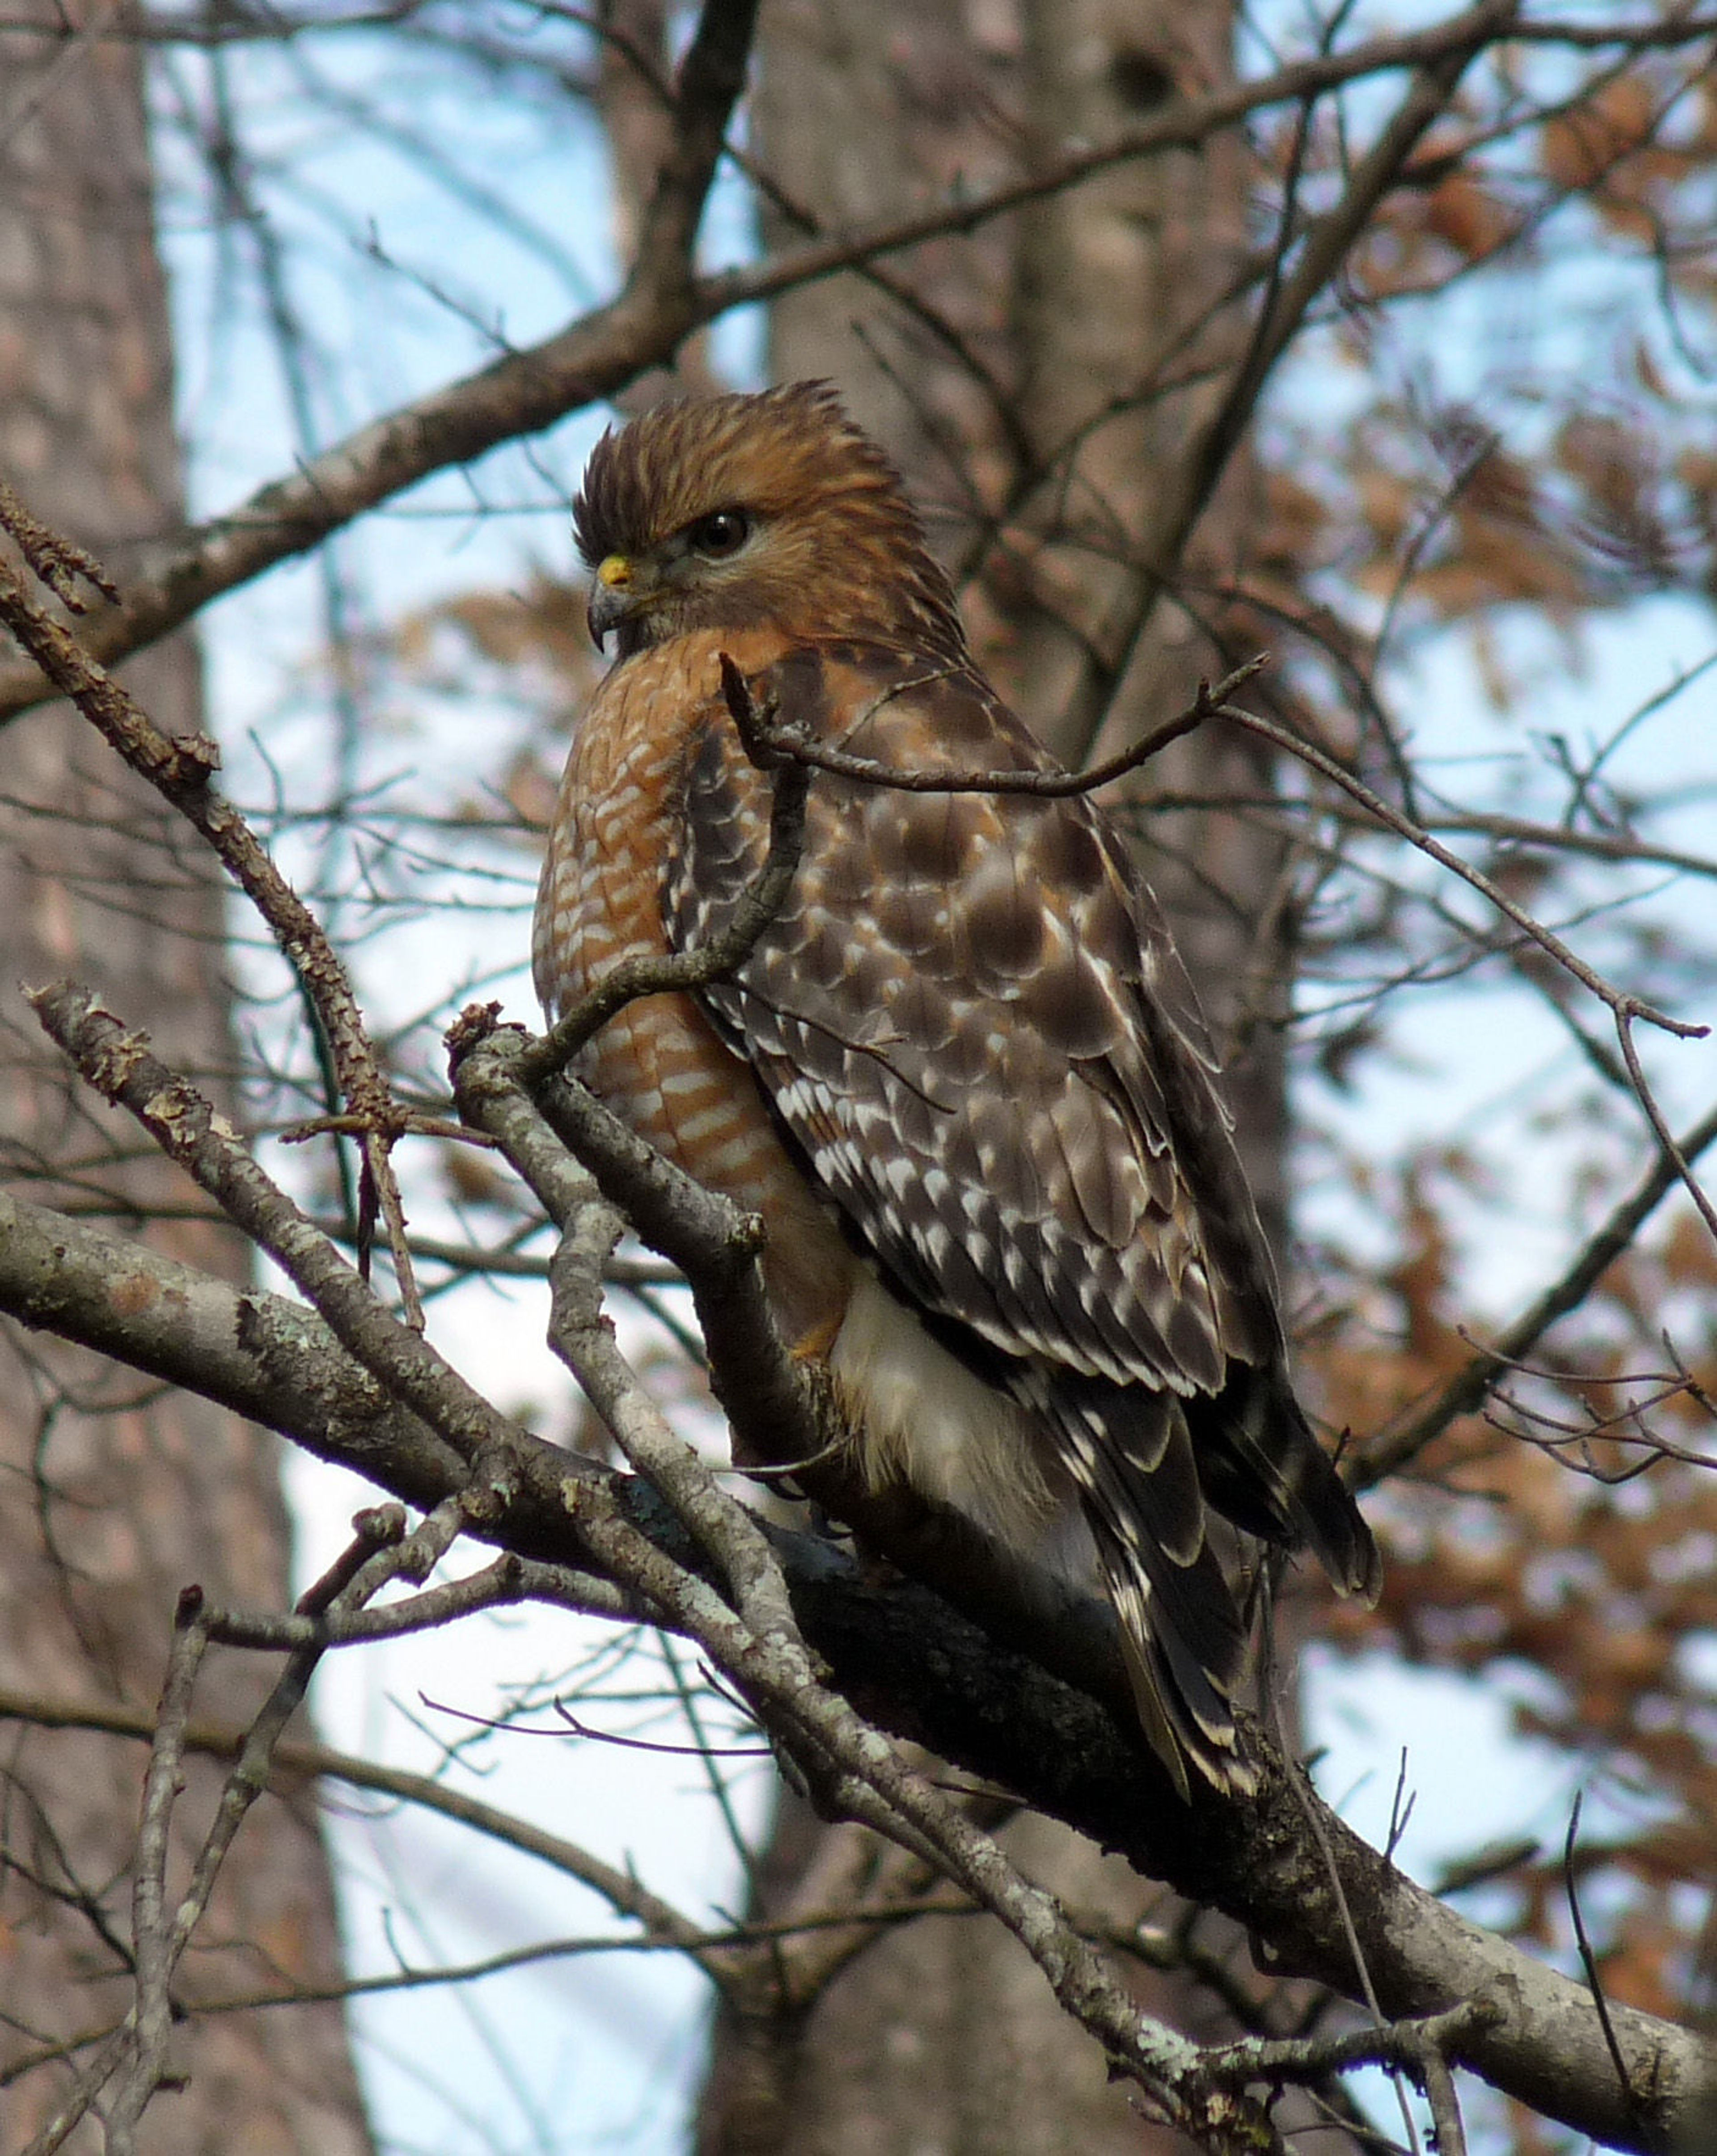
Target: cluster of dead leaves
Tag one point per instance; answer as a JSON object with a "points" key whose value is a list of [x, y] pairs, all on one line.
{"points": [[1564, 1542], [1555, 488]]}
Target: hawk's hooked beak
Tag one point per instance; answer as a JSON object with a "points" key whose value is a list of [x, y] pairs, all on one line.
{"points": [[617, 592]]}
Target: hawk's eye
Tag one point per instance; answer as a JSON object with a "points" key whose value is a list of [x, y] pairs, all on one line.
{"points": [[721, 533]]}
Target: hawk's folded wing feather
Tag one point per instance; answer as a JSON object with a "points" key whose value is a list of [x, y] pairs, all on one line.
{"points": [[962, 1015], [963, 1018], [969, 1020]]}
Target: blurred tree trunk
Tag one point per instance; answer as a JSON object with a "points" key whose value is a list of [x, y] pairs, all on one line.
{"points": [[1041, 464], [118, 1495], [1031, 418]]}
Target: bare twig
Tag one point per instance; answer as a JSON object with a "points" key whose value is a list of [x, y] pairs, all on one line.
{"points": [[777, 756], [182, 772], [1398, 1443], [1403, 2043], [74, 2107], [150, 2018], [1588, 1962], [1318, 1828], [510, 1580], [1624, 1014], [61, 563], [1047, 785], [291, 1760], [1621, 1004]]}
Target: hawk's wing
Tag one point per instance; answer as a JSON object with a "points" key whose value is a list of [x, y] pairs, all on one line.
{"points": [[969, 1019], [962, 1013]]}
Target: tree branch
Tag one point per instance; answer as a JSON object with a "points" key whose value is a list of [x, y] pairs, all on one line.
{"points": [[926, 1673], [597, 355], [1400, 1442], [183, 773]]}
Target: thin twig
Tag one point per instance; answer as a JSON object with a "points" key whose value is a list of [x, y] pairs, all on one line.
{"points": [[1616, 999], [1306, 1798], [1049, 785], [501, 1585], [1402, 2043], [150, 2018], [182, 771], [761, 901], [59, 562], [294, 1760], [1398, 1444], [1654, 1114], [1588, 1962]]}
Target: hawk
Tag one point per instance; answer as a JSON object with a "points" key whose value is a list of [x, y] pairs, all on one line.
{"points": [[962, 1076]]}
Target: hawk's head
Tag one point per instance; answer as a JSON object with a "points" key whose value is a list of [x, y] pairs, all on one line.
{"points": [[729, 511]]}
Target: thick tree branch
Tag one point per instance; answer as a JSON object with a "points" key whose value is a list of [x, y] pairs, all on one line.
{"points": [[597, 355], [916, 1666], [710, 78], [780, 1414]]}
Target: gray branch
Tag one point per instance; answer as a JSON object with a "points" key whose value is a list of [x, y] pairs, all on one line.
{"points": [[923, 1671]]}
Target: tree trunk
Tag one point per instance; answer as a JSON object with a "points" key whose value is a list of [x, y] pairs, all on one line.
{"points": [[941, 2039], [119, 1494]]}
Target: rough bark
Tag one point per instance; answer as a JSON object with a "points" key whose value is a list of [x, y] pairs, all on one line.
{"points": [[120, 1493], [940, 2037], [1119, 294]]}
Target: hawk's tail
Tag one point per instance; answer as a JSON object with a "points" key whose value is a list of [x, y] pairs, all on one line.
{"points": [[1262, 1467], [1130, 1457], [1144, 1479]]}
